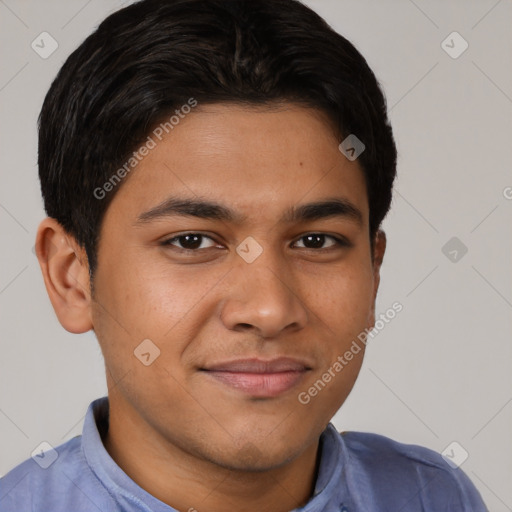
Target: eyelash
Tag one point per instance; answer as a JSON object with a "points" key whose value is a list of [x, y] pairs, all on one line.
{"points": [[339, 242]]}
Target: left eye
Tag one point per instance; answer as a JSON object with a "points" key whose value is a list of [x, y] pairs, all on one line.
{"points": [[190, 241], [317, 240]]}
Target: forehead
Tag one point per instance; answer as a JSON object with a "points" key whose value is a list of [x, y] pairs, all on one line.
{"points": [[257, 160]]}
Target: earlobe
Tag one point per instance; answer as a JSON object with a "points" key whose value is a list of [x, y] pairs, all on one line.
{"points": [[65, 272], [378, 257], [379, 250]]}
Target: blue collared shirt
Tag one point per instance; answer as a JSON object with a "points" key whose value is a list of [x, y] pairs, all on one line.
{"points": [[357, 472]]}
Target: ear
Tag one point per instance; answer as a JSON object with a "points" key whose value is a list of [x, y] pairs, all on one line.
{"points": [[378, 256], [65, 271]]}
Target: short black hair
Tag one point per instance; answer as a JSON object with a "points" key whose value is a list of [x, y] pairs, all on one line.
{"points": [[148, 59]]}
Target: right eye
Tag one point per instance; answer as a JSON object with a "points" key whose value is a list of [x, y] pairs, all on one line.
{"points": [[188, 242]]}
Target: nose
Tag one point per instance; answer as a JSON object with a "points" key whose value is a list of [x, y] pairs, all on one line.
{"points": [[262, 297]]}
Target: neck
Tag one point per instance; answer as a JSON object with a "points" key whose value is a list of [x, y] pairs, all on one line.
{"points": [[186, 482]]}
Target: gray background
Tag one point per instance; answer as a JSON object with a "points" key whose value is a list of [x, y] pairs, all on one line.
{"points": [[441, 370]]}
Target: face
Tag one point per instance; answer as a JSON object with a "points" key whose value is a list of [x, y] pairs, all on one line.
{"points": [[247, 294]]}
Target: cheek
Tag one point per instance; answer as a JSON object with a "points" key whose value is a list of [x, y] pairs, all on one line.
{"points": [[163, 303], [173, 300], [146, 293], [328, 389], [344, 301]]}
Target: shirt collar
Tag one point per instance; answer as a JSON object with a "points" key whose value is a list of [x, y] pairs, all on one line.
{"points": [[327, 487]]}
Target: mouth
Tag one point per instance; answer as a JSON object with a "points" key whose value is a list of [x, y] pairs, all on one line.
{"points": [[259, 378]]}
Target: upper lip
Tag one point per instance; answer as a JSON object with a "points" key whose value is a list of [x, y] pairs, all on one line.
{"points": [[256, 365]]}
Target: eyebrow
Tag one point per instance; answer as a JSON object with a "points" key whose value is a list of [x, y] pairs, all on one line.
{"points": [[205, 209]]}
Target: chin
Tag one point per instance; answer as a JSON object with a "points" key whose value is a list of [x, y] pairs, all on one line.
{"points": [[255, 455], [251, 460]]}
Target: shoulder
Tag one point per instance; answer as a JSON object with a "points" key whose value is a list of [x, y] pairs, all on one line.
{"points": [[35, 483], [366, 446], [408, 473]]}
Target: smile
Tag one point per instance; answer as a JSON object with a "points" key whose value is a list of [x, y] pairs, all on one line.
{"points": [[259, 378]]}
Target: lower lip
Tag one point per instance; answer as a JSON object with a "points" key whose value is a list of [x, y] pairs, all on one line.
{"points": [[260, 385]]}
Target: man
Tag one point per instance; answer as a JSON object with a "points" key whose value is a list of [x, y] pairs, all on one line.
{"points": [[215, 174]]}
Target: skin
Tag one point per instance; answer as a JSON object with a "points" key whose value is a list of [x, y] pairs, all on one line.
{"points": [[187, 439]]}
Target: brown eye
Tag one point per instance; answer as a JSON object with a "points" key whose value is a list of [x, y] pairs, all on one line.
{"points": [[317, 241], [314, 241], [189, 241]]}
